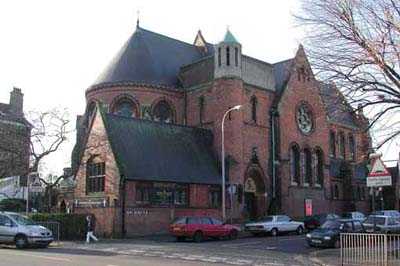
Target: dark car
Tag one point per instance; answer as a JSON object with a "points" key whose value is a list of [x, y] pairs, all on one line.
{"points": [[200, 227], [315, 221], [328, 235]]}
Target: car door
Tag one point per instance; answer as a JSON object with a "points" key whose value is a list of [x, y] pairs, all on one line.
{"points": [[282, 224], [358, 227], [219, 227], [207, 228], [7, 229]]}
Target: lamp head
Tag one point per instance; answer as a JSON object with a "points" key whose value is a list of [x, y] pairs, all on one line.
{"points": [[237, 107]]}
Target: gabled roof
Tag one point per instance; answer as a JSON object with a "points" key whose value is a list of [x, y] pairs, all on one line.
{"points": [[281, 72], [150, 58], [337, 108], [153, 151]]}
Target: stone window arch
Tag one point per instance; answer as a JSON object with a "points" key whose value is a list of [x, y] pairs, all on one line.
{"points": [[163, 112], [319, 167], [332, 144], [254, 104], [307, 167], [342, 148], [295, 165], [335, 191], [352, 148], [125, 106]]}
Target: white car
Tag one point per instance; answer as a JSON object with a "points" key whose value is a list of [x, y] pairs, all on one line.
{"points": [[274, 224]]}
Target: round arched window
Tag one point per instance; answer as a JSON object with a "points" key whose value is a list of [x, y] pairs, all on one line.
{"points": [[163, 112], [125, 107]]}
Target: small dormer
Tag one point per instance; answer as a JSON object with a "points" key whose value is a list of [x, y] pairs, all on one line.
{"points": [[228, 57]]}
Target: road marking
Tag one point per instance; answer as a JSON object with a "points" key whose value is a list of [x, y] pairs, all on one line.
{"points": [[270, 248], [188, 258], [245, 261], [36, 256], [218, 258], [208, 260], [111, 265], [157, 252], [235, 263], [242, 244]]}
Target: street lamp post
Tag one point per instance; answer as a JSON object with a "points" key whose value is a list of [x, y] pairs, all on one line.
{"points": [[237, 107]]}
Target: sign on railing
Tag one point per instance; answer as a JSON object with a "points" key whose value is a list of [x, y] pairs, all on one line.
{"points": [[370, 249]]}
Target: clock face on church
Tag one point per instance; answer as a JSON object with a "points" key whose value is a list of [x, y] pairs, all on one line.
{"points": [[305, 118]]}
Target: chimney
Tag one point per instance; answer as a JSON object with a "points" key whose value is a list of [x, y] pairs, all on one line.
{"points": [[16, 102], [67, 172]]}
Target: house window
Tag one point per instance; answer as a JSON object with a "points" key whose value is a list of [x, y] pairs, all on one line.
{"points": [[125, 107], [163, 196], [143, 195], [332, 144], [308, 167], [253, 102], [202, 103], [214, 196], [352, 148], [319, 167], [163, 112], [227, 56], [295, 165], [342, 150], [95, 176], [236, 56], [181, 197], [219, 56]]}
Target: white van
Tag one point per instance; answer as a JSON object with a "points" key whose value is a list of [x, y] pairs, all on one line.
{"points": [[18, 229]]}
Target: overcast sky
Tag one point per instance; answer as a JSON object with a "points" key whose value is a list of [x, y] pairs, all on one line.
{"points": [[54, 50]]}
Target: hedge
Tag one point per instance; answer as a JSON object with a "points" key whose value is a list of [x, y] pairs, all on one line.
{"points": [[72, 226]]}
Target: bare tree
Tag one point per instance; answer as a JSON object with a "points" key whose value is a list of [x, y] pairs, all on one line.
{"points": [[355, 44]]}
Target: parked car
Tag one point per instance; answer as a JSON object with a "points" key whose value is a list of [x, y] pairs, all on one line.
{"points": [[393, 213], [274, 224], [315, 221], [200, 227], [328, 235], [354, 215], [18, 229], [383, 224]]}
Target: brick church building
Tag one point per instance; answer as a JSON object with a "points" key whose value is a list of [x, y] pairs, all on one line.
{"points": [[149, 144]]}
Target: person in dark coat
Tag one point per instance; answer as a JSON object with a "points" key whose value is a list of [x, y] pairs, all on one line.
{"points": [[90, 225]]}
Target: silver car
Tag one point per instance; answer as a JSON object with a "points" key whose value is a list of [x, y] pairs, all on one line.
{"points": [[274, 224], [383, 224], [20, 230]]}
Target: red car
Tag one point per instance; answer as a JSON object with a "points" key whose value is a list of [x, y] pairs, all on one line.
{"points": [[201, 227]]}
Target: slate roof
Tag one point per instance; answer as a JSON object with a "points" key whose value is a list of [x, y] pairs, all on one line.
{"points": [[153, 151], [281, 72], [150, 58], [338, 110]]}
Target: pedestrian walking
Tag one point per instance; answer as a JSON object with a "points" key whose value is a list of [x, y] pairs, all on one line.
{"points": [[90, 225]]}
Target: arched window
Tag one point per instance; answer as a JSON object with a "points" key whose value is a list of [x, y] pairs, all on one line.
{"points": [[332, 144], [125, 107], [352, 148], [236, 56], [227, 56], [358, 193], [202, 106], [307, 167], [219, 56], [295, 165], [253, 102], [362, 193], [342, 150], [335, 191], [319, 168], [163, 112], [95, 175]]}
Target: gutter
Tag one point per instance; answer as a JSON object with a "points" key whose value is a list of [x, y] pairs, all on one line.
{"points": [[273, 114]]}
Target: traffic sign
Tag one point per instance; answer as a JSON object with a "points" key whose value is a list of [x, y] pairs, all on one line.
{"points": [[379, 176], [36, 184]]}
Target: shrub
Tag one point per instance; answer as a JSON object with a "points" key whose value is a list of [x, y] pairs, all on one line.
{"points": [[72, 226], [13, 205]]}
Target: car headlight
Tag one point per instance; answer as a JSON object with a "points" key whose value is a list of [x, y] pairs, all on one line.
{"points": [[308, 235], [327, 238], [35, 234]]}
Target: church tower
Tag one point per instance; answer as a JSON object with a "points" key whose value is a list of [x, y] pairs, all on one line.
{"points": [[228, 58]]}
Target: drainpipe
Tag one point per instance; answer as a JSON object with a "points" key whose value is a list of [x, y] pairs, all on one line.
{"points": [[273, 144]]}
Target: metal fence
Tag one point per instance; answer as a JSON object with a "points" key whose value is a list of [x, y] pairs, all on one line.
{"points": [[370, 249], [54, 227]]}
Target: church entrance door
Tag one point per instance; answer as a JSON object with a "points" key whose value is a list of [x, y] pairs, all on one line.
{"points": [[254, 195]]}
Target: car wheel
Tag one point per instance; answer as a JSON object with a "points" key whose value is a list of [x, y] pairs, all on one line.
{"points": [[274, 232], [299, 230], [180, 238], [337, 243], [198, 236], [20, 241], [233, 234]]}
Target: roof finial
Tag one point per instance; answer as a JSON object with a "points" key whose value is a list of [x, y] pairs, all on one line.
{"points": [[137, 21]]}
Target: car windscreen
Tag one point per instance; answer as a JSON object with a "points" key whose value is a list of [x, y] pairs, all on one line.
{"points": [[180, 221], [21, 219], [331, 225], [347, 215], [378, 220], [266, 219]]}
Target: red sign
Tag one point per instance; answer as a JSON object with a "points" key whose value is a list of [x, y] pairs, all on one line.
{"points": [[308, 205], [378, 169]]}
